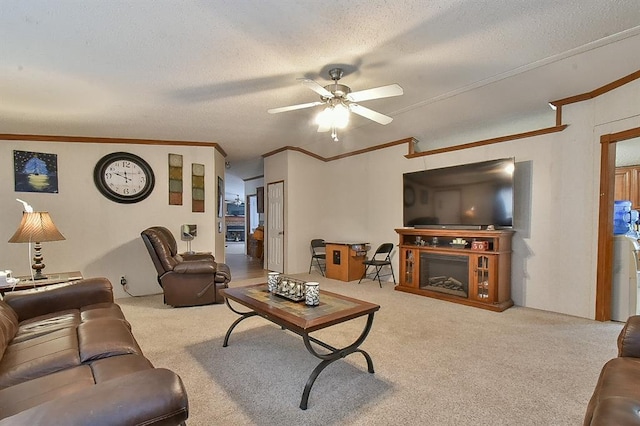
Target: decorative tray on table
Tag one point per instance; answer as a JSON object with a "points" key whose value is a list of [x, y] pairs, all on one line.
{"points": [[290, 289], [292, 297]]}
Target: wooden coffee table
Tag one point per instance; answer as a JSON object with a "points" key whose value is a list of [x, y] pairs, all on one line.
{"points": [[303, 320]]}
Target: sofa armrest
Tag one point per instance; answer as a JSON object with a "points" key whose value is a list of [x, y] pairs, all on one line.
{"points": [[44, 300], [200, 266], [198, 256], [629, 338], [223, 273], [150, 397]]}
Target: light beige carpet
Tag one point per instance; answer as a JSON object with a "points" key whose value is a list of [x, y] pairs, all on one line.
{"points": [[436, 363]]}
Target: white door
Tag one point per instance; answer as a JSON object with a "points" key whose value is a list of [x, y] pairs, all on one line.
{"points": [[275, 227]]}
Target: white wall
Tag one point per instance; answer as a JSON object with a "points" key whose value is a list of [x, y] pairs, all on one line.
{"points": [[556, 207], [103, 237]]}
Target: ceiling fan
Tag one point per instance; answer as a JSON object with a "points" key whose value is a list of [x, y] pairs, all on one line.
{"points": [[340, 101]]}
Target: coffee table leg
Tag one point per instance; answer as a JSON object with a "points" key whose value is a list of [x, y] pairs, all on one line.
{"points": [[332, 356], [243, 316]]}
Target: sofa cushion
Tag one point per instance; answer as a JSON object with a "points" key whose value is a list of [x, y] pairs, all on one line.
{"points": [[44, 324], [33, 303], [150, 397], [71, 318], [46, 388], [102, 310], [39, 356], [118, 366], [105, 337]]}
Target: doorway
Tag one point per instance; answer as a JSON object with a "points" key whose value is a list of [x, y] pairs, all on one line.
{"points": [[244, 266], [275, 227], [252, 219], [605, 220]]}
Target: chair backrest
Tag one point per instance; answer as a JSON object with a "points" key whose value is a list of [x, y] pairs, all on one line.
{"points": [[384, 249], [316, 245], [162, 248], [169, 239]]}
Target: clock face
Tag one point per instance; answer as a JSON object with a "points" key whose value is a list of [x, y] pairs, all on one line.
{"points": [[123, 177]]}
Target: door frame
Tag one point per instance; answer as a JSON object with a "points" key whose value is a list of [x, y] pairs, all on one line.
{"points": [[247, 222], [605, 220]]}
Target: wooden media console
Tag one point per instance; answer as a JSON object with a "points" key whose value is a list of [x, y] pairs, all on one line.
{"points": [[475, 273]]}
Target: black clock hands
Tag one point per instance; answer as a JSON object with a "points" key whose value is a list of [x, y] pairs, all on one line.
{"points": [[123, 176]]}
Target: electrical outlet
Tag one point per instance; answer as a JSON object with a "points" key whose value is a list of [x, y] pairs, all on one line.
{"points": [[123, 281]]}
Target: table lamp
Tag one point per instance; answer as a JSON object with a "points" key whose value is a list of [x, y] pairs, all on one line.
{"points": [[36, 227], [188, 233]]}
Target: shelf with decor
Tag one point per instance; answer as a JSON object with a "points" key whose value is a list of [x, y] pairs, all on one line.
{"points": [[466, 266]]}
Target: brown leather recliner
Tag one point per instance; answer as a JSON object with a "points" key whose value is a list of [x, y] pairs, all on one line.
{"points": [[187, 280]]}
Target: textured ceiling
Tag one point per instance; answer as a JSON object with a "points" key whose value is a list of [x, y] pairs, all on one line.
{"points": [[209, 70]]}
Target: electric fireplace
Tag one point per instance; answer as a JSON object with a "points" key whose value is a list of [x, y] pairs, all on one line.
{"points": [[445, 273]]}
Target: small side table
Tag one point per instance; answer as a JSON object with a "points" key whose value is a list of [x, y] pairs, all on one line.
{"points": [[26, 282], [344, 260]]}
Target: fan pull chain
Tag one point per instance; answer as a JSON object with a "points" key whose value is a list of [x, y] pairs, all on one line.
{"points": [[334, 134]]}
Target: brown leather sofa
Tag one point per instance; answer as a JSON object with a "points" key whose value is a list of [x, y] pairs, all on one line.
{"points": [[186, 280], [67, 357], [616, 398]]}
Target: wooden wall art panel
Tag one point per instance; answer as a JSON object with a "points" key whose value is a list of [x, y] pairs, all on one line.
{"points": [[197, 188], [175, 179]]}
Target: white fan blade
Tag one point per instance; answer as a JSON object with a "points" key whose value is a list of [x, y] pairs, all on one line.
{"points": [[316, 88], [370, 114], [293, 107], [376, 93]]}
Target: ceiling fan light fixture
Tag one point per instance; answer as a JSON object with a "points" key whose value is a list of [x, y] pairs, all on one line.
{"points": [[340, 116], [340, 102], [323, 119], [335, 116]]}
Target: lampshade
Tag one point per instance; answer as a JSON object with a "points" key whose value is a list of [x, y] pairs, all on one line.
{"points": [[36, 227]]}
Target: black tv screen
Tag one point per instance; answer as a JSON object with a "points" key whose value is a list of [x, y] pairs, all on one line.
{"points": [[472, 195]]}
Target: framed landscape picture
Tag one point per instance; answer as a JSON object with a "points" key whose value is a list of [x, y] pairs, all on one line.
{"points": [[35, 172]]}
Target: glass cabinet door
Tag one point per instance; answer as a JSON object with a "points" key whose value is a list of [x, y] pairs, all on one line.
{"points": [[409, 271], [481, 281]]}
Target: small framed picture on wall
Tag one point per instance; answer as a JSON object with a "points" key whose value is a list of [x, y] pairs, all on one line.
{"points": [[220, 197], [35, 172]]}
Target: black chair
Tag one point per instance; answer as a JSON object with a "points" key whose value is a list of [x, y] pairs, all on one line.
{"points": [[379, 263], [318, 253]]}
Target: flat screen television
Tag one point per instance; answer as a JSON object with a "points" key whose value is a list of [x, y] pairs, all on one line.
{"points": [[470, 196]]}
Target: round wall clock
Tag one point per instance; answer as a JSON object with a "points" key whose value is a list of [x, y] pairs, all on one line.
{"points": [[123, 177]]}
